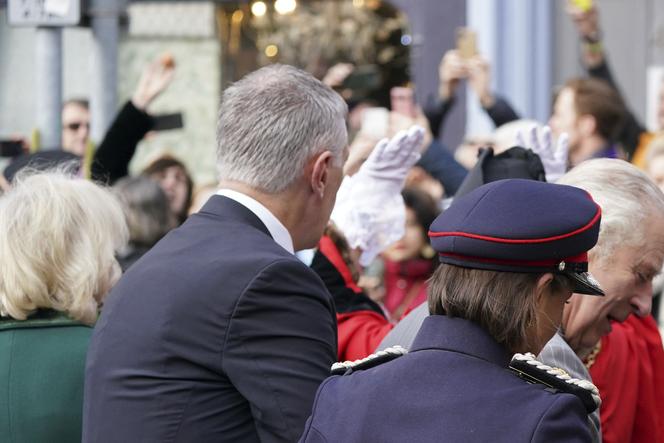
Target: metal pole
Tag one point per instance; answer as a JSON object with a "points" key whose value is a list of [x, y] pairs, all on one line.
{"points": [[105, 29], [49, 86]]}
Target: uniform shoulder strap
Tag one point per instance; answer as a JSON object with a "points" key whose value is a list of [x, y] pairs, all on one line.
{"points": [[556, 379], [347, 367]]}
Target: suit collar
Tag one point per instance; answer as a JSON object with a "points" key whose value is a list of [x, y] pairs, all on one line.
{"points": [[459, 335], [276, 228], [225, 207]]}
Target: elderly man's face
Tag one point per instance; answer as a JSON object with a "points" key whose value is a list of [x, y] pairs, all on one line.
{"points": [[626, 277]]}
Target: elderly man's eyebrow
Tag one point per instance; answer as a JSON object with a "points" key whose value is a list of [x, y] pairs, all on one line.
{"points": [[647, 270]]}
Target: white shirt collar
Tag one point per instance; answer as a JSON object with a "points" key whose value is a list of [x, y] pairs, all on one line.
{"points": [[277, 230]]}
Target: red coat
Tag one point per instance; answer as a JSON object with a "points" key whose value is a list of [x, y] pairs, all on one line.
{"points": [[629, 372], [360, 333], [403, 280], [361, 324]]}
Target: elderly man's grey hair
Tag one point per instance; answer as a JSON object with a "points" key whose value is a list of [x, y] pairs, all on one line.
{"points": [[627, 198], [272, 121]]}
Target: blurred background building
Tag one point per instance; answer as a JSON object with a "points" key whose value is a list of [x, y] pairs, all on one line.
{"points": [[531, 45]]}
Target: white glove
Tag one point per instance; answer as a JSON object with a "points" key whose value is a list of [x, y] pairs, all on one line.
{"points": [[554, 159], [369, 209]]}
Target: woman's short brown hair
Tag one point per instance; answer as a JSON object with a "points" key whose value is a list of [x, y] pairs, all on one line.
{"points": [[502, 303]]}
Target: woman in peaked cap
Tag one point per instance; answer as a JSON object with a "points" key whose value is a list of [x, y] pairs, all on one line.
{"points": [[512, 252]]}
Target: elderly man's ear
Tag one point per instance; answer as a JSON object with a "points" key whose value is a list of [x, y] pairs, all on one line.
{"points": [[320, 172]]}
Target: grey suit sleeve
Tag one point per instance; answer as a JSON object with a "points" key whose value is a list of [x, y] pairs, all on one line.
{"points": [[280, 346], [405, 331], [557, 353]]}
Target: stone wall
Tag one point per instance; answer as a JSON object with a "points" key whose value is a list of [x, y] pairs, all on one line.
{"points": [[187, 31]]}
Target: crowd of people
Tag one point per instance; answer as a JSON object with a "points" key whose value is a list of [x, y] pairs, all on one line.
{"points": [[349, 278]]}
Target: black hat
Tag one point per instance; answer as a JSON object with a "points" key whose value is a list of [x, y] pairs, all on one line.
{"points": [[518, 225], [516, 162]]}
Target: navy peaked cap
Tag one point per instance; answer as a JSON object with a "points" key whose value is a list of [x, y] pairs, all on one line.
{"points": [[518, 225]]}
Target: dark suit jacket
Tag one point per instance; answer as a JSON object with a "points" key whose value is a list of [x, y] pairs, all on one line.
{"points": [[216, 334], [453, 386]]}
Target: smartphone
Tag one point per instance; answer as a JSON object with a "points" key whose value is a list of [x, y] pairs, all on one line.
{"points": [[403, 101], [163, 122], [11, 148], [466, 42], [582, 5]]}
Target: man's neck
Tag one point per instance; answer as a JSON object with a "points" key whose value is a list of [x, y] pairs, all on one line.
{"points": [[587, 148], [283, 205]]}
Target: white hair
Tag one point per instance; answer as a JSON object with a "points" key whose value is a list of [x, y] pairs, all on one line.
{"points": [[627, 198], [58, 237], [272, 121]]}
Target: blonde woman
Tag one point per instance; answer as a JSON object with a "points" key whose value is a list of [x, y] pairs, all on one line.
{"points": [[58, 237]]}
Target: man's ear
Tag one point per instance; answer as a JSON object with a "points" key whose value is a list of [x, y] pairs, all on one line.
{"points": [[319, 172], [542, 288], [587, 125]]}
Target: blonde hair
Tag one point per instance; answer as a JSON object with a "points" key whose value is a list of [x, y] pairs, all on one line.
{"points": [[58, 237]]}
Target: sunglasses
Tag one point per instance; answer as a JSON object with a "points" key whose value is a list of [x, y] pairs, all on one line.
{"points": [[76, 125]]}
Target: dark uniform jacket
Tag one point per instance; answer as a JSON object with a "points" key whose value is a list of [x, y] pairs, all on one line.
{"points": [[218, 334], [453, 386]]}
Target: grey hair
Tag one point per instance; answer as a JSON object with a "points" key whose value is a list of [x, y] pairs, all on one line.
{"points": [[272, 121], [146, 209], [627, 197]]}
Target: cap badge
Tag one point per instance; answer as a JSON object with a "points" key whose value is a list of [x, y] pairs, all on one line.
{"points": [[561, 266]]}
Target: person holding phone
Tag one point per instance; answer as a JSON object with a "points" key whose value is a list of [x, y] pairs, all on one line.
{"points": [[132, 123], [476, 70], [634, 138]]}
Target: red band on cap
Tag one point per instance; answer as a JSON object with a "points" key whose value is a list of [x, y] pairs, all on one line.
{"points": [[519, 240], [581, 258]]}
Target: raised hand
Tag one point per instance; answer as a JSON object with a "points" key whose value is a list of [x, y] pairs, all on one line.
{"points": [[369, 209], [479, 80], [553, 156], [452, 68], [154, 80]]}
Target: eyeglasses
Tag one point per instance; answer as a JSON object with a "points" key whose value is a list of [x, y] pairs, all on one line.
{"points": [[74, 126]]}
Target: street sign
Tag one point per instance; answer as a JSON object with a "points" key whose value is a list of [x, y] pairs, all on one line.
{"points": [[44, 12]]}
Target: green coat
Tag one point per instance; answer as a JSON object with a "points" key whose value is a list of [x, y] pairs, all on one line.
{"points": [[42, 366]]}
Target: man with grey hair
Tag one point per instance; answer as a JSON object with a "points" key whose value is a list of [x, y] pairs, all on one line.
{"points": [[628, 255], [230, 333]]}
